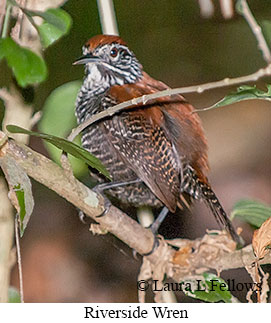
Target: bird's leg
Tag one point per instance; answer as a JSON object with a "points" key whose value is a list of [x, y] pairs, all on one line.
{"points": [[158, 221], [154, 229], [100, 188]]}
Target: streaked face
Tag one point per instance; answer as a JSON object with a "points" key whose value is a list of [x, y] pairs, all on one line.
{"points": [[113, 63]]}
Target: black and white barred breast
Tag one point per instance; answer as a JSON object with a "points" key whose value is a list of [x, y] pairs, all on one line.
{"points": [[100, 141]]}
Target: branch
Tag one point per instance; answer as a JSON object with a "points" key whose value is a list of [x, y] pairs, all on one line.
{"points": [[203, 254], [257, 31], [182, 90], [108, 17], [54, 177]]}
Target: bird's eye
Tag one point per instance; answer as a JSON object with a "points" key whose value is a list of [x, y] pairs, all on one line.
{"points": [[114, 52]]}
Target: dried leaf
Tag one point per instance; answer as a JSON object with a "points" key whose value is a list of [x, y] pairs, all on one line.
{"points": [[261, 240], [181, 256], [20, 188]]}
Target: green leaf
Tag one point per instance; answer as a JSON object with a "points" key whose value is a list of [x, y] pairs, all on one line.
{"points": [[211, 289], [19, 184], [13, 295], [57, 23], [245, 92], [58, 119], [28, 67], [252, 212], [19, 191], [66, 146]]}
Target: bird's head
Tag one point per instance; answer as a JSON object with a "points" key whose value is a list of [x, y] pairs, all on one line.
{"points": [[108, 59]]}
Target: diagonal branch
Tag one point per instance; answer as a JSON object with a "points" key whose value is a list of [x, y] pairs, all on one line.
{"points": [[182, 90], [206, 254]]}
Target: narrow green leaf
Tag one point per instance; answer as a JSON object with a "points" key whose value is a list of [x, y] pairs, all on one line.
{"points": [[19, 191], [58, 119], [211, 289], [252, 212], [57, 23], [28, 67], [245, 92], [13, 295], [66, 146]]}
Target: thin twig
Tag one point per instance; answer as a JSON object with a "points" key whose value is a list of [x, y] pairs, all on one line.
{"points": [[2, 13], [257, 31], [6, 22], [19, 259], [16, 31], [189, 89]]}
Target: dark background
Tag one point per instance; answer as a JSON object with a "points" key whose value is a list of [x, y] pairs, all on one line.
{"points": [[62, 261]]}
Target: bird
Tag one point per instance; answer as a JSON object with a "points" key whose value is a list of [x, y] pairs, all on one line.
{"points": [[156, 153]]}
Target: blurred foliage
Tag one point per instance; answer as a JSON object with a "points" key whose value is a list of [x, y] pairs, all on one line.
{"points": [[56, 24], [252, 212], [58, 119], [28, 67]]}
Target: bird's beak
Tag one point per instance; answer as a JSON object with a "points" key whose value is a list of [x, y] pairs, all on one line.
{"points": [[89, 58]]}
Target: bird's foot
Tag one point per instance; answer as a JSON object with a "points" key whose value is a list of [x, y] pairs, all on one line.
{"points": [[154, 246], [81, 216], [107, 204]]}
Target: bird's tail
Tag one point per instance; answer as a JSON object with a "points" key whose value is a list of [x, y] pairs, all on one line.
{"points": [[213, 203], [201, 190]]}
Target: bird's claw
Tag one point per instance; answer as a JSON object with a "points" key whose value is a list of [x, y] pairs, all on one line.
{"points": [[107, 205], [154, 246], [82, 215]]}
